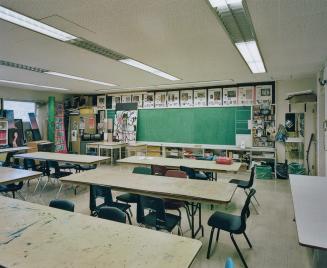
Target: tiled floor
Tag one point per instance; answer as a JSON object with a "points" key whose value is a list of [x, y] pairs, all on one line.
{"points": [[272, 232]]}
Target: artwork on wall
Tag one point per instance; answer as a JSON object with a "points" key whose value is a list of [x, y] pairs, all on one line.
{"points": [[215, 97], [125, 124], [126, 98], [160, 99], [230, 96], [101, 102], [115, 99], [60, 138], [263, 94], [138, 99], [148, 100], [245, 95], [173, 99], [35, 127], [200, 97], [186, 98], [16, 134]]}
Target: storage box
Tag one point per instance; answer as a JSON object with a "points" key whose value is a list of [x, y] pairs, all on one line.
{"points": [[263, 172]]}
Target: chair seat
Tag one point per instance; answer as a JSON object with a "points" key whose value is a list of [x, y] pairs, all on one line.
{"points": [[67, 166], [201, 176], [171, 221], [60, 174], [121, 206], [128, 198], [3, 189], [226, 222], [173, 204], [85, 168], [240, 183]]}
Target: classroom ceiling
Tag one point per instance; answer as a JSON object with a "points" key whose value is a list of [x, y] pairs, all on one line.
{"points": [[180, 37]]}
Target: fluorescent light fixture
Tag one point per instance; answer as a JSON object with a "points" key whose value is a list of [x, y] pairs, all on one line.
{"points": [[32, 85], [149, 69], [80, 78], [223, 5], [34, 25], [250, 53]]}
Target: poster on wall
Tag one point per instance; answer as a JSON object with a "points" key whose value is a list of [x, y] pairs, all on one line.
{"points": [[101, 102], [246, 95], [115, 99], [263, 94], [186, 98], [60, 138], [125, 124], [148, 100], [138, 99], [160, 99], [126, 98], [16, 134], [230, 96], [200, 97], [173, 99], [215, 97]]}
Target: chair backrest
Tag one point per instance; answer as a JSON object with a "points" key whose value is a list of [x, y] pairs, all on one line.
{"points": [[229, 263], [252, 176], [99, 191], [158, 170], [245, 213], [62, 204], [54, 164], [189, 171], [112, 214], [7, 162], [155, 205], [176, 173], [29, 164], [142, 170]]}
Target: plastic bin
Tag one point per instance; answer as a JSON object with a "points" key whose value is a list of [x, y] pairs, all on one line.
{"points": [[263, 172]]}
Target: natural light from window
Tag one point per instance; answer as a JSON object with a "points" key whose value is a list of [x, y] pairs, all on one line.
{"points": [[21, 109]]}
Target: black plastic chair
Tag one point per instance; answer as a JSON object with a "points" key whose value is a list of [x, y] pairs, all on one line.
{"points": [[232, 224], [158, 170], [112, 214], [105, 192], [156, 217], [247, 185], [8, 163], [80, 168], [13, 188], [62, 204], [192, 174], [133, 198]]}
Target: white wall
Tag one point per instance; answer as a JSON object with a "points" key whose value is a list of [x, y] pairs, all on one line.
{"points": [[282, 107]]}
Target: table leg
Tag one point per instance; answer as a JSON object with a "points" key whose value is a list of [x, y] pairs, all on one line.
{"points": [[119, 152], [194, 209], [112, 156]]}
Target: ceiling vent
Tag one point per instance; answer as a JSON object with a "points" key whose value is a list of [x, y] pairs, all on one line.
{"points": [[95, 48], [22, 66]]}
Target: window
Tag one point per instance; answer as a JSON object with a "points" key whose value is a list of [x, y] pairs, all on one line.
{"points": [[21, 108]]}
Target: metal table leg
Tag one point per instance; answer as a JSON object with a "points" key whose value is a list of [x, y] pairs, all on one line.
{"points": [[193, 210]]}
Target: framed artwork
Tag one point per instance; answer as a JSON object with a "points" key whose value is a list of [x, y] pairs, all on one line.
{"points": [[186, 98], [115, 99], [126, 98], [173, 99], [263, 94], [160, 99], [246, 95], [215, 97], [200, 97], [101, 102], [138, 99], [148, 100], [230, 96], [125, 124]]}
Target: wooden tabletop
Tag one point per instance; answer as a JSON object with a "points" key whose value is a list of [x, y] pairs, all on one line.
{"points": [[309, 200], [12, 175], [176, 163], [14, 149], [164, 187], [32, 235], [68, 158]]}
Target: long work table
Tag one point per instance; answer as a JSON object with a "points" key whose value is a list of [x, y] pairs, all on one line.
{"points": [[193, 191], [67, 158], [11, 175], [309, 198], [13, 149], [201, 165], [32, 235]]}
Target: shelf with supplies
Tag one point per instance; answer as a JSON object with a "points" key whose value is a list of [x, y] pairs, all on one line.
{"points": [[3, 132]]}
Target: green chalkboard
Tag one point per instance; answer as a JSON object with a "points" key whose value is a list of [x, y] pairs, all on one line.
{"points": [[210, 125]]}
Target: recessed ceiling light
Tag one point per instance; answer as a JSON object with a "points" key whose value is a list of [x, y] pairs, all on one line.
{"points": [[34, 25], [250, 52], [80, 78], [149, 69], [32, 85]]}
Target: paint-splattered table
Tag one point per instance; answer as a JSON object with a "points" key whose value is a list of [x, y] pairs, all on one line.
{"points": [[32, 235]]}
